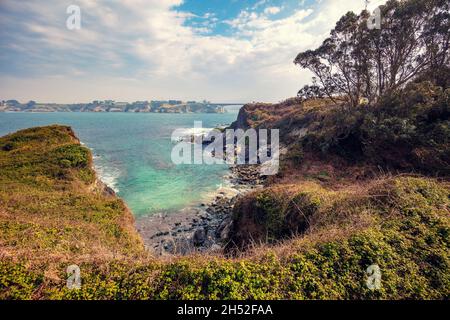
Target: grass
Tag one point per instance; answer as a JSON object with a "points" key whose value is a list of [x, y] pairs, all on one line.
{"points": [[321, 238], [52, 204]]}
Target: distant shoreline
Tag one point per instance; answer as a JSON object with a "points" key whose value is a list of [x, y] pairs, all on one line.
{"points": [[41, 111], [165, 106], [121, 112]]}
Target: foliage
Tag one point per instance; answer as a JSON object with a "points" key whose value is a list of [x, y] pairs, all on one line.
{"points": [[409, 240], [356, 61], [408, 130], [305, 240], [48, 223], [50, 203]]}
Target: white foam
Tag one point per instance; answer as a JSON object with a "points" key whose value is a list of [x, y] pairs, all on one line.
{"points": [[195, 131], [189, 133], [107, 174]]}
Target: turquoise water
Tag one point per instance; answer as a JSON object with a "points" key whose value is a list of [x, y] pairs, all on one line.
{"points": [[132, 154]]}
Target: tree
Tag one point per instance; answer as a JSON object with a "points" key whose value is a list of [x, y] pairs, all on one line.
{"points": [[355, 61]]}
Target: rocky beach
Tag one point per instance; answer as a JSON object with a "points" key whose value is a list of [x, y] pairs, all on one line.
{"points": [[202, 228]]}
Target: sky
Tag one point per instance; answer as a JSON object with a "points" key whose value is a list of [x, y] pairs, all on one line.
{"points": [[234, 51]]}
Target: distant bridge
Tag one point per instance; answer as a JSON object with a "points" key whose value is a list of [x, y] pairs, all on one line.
{"points": [[227, 104]]}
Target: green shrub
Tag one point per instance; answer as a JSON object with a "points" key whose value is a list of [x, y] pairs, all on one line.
{"points": [[72, 156], [408, 129]]}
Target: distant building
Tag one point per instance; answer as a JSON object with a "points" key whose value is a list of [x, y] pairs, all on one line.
{"points": [[156, 104], [175, 102], [115, 110], [96, 109]]}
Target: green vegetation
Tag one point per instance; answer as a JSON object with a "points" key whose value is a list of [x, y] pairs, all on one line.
{"points": [[51, 206], [49, 221], [406, 130], [276, 212], [335, 209], [407, 238], [357, 62], [387, 88]]}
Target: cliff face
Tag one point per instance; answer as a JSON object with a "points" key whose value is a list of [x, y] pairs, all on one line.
{"points": [[242, 119], [264, 115]]}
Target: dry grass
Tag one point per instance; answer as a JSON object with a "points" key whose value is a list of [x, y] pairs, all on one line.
{"points": [[54, 213]]}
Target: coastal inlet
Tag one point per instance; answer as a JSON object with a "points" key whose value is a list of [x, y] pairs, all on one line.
{"points": [[202, 228]]}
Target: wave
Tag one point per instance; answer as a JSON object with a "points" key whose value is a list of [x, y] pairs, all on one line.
{"points": [[189, 134], [107, 174]]}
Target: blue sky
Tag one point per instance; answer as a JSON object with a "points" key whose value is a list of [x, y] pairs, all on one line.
{"points": [[220, 50], [217, 13]]}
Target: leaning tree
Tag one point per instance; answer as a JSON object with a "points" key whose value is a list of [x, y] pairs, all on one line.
{"points": [[357, 60]]}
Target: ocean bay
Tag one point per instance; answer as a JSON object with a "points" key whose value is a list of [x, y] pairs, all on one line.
{"points": [[132, 154]]}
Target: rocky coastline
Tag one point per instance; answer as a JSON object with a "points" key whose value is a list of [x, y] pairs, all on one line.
{"points": [[204, 228]]}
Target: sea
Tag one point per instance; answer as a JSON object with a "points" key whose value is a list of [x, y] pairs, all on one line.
{"points": [[132, 154]]}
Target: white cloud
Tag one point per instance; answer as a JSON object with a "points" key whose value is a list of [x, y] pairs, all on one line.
{"points": [[148, 41], [272, 10]]}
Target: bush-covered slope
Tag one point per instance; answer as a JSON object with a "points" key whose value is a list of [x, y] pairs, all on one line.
{"points": [[51, 205], [404, 230], [407, 130], [53, 214]]}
